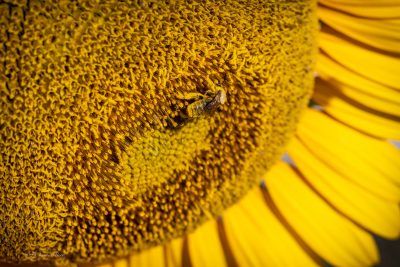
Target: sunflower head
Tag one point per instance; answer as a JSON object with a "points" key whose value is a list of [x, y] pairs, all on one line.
{"points": [[112, 135]]}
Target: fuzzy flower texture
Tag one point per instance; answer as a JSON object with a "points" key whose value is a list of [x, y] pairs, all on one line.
{"points": [[150, 133]]}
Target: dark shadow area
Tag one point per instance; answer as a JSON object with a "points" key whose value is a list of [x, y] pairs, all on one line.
{"points": [[390, 252]]}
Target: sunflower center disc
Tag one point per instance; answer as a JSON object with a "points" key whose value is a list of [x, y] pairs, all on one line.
{"points": [[99, 150]]}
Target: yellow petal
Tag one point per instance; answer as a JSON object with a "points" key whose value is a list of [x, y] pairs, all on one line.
{"points": [[368, 210], [357, 87], [148, 258], [365, 8], [257, 238], [329, 234], [383, 34], [355, 114], [173, 253], [102, 265], [121, 263], [380, 68], [205, 246], [373, 164]]}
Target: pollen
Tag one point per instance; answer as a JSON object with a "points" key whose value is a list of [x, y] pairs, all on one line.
{"points": [[91, 166]]}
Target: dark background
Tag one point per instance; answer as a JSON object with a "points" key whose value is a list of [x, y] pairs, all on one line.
{"points": [[390, 252]]}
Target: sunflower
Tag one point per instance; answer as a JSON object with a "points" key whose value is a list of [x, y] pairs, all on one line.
{"points": [[151, 133]]}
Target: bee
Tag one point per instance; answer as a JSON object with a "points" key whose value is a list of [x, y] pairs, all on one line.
{"points": [[201, 104], [204, 104]]}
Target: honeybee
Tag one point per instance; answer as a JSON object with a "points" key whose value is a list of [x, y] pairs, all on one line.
{"points": [[207, 104], [204, 103]]}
